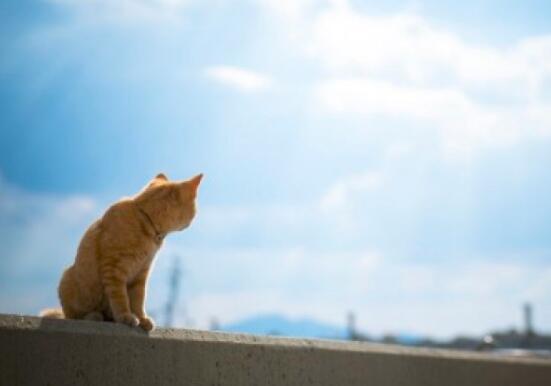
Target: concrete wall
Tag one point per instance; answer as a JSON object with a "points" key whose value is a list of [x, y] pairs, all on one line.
{"points": [[36, 351]]}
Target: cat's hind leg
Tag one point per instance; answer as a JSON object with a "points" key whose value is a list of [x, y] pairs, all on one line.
{"points": [[68, 295], [94, 316], [79, 299]]}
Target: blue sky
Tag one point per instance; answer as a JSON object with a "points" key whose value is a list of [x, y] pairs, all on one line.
{"points": [[391, 159]]}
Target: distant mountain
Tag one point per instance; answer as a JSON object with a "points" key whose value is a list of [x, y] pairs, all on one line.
{"points": [[408, 339], [273, 324]]}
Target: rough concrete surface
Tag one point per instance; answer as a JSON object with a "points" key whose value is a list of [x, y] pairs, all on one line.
{"points": [[35, 351]]}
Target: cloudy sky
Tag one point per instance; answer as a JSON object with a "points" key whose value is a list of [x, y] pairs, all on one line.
{"points": [[390, 159]]}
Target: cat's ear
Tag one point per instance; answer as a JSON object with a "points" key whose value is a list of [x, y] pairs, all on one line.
{"points": [[195, 181], [159, 179], [193, 184], [161, 176]]}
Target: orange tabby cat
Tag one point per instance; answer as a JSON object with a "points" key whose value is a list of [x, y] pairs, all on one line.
{"points": [[108, 278]]}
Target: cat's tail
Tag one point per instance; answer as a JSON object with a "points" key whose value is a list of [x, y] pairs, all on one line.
{"points": [[52, 313]]}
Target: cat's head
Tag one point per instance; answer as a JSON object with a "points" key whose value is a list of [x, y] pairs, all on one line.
{"points": [[172, 204]]}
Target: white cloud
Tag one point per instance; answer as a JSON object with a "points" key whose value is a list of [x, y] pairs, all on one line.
{"points": [[299, 259], [40, 234], [344, 192], [303, 278], [437, 299], [473, 97], [294, 279], [289, 9], [239, 78], [407, 47], [368, 96], [461, 124]]}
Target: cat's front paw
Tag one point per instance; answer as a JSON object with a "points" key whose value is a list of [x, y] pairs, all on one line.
{"points": [[147, 323], [128, 319]]}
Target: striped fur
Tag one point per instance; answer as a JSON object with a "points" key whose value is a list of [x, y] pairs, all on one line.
{"points": [[108, 279]]}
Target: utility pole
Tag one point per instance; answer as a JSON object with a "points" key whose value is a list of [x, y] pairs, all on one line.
{"points": [[528, 325], [174, 285], [214, 324], [351, 326]]}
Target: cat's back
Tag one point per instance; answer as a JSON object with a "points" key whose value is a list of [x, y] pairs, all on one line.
{"points": [[122, 231], [87, 248], [120, 222], [114, 217], [115, 236]]}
